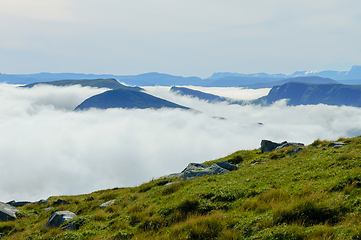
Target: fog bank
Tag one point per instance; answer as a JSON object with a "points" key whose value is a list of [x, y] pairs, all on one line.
{"points": [[47, 149]]}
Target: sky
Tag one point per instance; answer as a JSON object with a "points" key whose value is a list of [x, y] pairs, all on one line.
{"points": [[187, 38], [47, 149]]}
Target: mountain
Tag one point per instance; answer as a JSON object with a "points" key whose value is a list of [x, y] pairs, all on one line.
{"points": [[99, 83], [308, 79], [198, 94], [313, 194], [126, 98], [203, 96], [305, 93]]}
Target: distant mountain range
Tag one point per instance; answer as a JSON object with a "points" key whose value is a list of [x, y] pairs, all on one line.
{"points": [[110, 83], [296, 93], [220, 79], [310, 94]]}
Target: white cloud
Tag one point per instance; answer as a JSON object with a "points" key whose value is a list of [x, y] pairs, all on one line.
{"points": [[47, 149]]}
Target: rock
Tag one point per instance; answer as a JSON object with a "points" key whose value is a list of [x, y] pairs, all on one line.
{"points": [[59, 217], [47, 209], [294, 151], [1, 235], [194, 166], [268, 146], [107, 204], [18, 204], [255, 163], [7, 212], [197, 170], [287, 144], [71, 226], [337, 144], [60, 201], [227, 165], [42, 201], [212, 170]]}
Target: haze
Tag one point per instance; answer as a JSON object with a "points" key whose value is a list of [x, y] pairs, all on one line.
{"points": [[48, 149], [179, 37]]}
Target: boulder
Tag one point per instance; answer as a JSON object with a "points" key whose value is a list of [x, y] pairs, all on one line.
{"points": [[211, 170], [268, 146], [59, 217], [194, 166], [227, 165], [71, 226], [287, 144], [197, 170], [107, 204], [42, 201], [294, 151], [18, 204], [7, 212], [60, 202], [337, 144]]}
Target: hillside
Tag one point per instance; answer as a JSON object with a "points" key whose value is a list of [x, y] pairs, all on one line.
{"points": [[124, 98], [314, 194], [304, 93]]}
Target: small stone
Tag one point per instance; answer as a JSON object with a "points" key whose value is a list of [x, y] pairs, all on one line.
{"points": [[107, 204]]}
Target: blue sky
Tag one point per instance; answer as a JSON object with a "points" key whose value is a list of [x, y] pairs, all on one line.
{"points": [[188, 37]]}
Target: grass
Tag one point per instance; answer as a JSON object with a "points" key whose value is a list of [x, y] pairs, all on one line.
{"points": [[315, 194]]}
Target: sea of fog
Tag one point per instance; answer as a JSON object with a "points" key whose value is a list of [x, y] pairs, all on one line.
{"points": [[47, 149]]}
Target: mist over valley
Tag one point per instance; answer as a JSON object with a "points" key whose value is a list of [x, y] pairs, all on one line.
{"points": [[47, 148]]}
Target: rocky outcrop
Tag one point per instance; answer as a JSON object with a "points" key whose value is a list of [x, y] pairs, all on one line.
{"points": [[18, 204], [198, 170], [337, 144], [7, 212], [58, 218], [268, 146]]}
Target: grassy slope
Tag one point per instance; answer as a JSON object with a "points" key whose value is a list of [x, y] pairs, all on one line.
{"points": [[313, 195]]}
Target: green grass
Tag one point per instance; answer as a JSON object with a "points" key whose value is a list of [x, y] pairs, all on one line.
{"points": [[315, 194]]}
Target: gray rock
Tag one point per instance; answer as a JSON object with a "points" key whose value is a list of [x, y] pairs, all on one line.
{"points": [[268, 146], [107, 204], [1, 235], [212, 170], [294, 151], [71, 226], [18, 204], [60, 202], [42, 201], [288, 144], [197, 170], [194, 166], [59, 217], [47, 209], [7, 212], [337, 144], [227, 165], [255, 163]]}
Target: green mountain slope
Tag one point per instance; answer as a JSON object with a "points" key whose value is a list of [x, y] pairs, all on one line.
{"points": [[315, 194]]}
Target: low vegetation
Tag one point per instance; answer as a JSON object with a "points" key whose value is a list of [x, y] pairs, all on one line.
{"points": [[315, 194]]}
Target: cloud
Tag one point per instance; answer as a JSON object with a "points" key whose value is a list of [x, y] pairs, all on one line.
{"points": [[47, 149]]}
